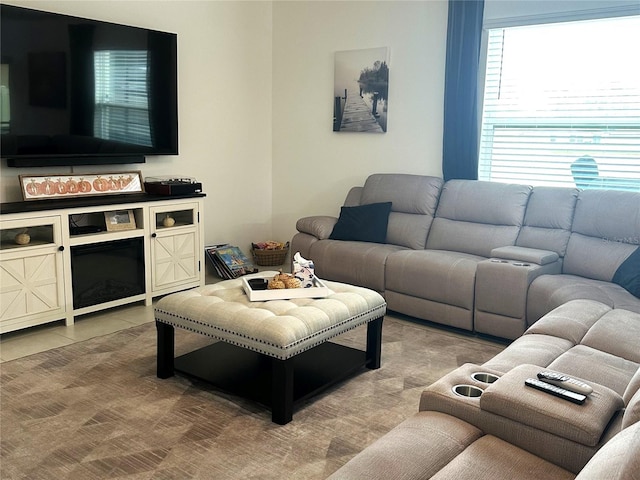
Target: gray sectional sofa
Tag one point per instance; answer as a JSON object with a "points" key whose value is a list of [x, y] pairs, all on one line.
{"points": [[507, 430], [486, 257], [556, 269]]}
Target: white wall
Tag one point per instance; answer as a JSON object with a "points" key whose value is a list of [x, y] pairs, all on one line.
{"points": [[256, 103], [313, 167]]}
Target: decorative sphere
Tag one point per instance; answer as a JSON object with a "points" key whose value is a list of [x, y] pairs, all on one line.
{"points": [[22, 238], [168, 221]]}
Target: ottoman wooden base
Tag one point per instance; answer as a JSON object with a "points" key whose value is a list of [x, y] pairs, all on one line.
{"points": [[280, 385]]}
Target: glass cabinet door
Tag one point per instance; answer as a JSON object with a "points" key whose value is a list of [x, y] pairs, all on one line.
{"points": [[174, 218], [20, 234]]}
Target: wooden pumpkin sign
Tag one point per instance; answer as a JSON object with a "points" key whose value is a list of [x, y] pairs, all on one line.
{"points": [[47, 187]]}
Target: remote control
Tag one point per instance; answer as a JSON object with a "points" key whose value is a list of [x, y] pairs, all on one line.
{"points": [[565, 381], [557, 391]]}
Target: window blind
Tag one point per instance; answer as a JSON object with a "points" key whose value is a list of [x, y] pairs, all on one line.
{"points": [[562, 105], [121, 96], [515, 13]]}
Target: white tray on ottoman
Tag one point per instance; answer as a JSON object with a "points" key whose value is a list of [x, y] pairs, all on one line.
{"points": [[319, 290], [291, 334]]}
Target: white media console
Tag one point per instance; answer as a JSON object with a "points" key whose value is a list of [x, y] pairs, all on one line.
{"points": [[67, 258]]}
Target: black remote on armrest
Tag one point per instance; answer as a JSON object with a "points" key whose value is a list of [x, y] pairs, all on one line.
{"points": [[557, 391]]}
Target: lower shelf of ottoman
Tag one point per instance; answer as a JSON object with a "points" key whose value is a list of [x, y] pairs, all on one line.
{"points": [[249, 374]]}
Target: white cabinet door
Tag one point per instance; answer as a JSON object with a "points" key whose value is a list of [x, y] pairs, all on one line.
{"points": [[31, 273], [175, 246]]}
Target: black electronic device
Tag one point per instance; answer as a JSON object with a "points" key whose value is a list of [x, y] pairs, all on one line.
{"points": [[172, 186], [556, 391], [85, 229], [85, 92], [565, 381]]}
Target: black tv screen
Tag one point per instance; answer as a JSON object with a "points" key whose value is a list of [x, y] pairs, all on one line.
{"points": [[76, 91]]}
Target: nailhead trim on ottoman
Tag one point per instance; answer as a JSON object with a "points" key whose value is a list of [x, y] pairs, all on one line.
{"points": [[278, 328]]}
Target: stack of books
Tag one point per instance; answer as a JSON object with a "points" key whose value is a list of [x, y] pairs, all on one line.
{"points": [[229, 261]]}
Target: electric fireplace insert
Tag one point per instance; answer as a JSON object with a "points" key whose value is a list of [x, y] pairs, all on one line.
{"points": [[107, 271]]}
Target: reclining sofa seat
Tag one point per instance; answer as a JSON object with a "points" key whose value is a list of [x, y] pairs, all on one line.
{"points": [[413, 204], [438, 283], [604, 239], [583, 338]]}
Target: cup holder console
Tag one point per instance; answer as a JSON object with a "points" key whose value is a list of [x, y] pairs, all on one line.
{"points": [[471, 391], [484, 377], [461, 390], [467, 391]]}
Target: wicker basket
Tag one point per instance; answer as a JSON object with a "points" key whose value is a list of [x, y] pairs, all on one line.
{"points": [[269, 258]]}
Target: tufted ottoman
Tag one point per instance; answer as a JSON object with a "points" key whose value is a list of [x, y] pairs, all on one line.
{"points": [[274, 352]]}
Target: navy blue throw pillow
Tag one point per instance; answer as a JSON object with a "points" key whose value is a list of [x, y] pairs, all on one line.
{"points": [[628, 273], [366, 223]]}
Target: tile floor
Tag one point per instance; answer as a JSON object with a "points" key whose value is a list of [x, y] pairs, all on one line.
{"points": [[45, 337]]}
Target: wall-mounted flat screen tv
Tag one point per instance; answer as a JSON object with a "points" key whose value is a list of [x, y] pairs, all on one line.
{"points": [[76, 91]]}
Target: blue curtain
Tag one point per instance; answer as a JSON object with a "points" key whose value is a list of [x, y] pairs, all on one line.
{"points": [[460, 142]]}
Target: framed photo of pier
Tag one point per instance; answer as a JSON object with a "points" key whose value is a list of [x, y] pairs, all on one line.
{"points": [[361, 90]]}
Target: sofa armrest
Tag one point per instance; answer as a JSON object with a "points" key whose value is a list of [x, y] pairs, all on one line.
{"points": [[584, 424], [524, 254], [319, 226]]}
